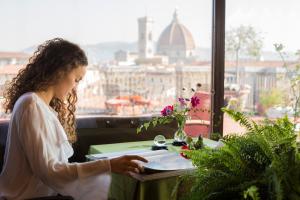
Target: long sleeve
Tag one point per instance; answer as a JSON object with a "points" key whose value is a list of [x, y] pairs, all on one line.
{"points": [[42, 150]]}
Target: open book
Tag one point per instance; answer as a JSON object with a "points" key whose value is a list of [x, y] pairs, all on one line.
{"points": [[161, 163], [160, 160]]}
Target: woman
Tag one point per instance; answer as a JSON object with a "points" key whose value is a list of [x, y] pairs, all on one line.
{"points": [[42, 100]]}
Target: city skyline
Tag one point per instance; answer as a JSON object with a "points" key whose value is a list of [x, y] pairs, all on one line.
{"points": [[31, 22]]}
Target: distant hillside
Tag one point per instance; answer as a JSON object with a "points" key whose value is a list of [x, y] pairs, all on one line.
{"points": [[103, 52], [100, 52]]}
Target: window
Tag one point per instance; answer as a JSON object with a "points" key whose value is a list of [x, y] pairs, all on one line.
{"points": [[256, 79], [156, 76]]}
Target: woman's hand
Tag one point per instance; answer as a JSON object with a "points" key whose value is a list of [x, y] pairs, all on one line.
{"points": [[126, 164]]}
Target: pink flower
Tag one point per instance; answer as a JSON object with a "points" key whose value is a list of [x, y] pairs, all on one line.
{"points": [[168, 110], [195, 101], [182, 101]]}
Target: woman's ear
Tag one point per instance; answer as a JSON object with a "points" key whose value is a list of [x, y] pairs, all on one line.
{"points": [[60, 74]]}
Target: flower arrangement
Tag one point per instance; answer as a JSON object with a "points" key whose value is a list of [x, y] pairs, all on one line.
{"points": [[178, 112]]}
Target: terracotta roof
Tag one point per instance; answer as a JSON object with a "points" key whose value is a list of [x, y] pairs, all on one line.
{"points": [[126, 100], [255, 63], [19, 55], [249, 63], [10, 69]]}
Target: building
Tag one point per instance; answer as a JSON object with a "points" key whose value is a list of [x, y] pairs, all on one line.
{"points": [[125, 57], [13, 58], [176, 42], [145, 37], [189, 76], [256, 78]]}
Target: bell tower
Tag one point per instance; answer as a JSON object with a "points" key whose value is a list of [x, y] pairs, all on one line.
{"points": [[145, 37]]}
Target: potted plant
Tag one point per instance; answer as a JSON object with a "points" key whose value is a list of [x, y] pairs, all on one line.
{"points": [[262, 164]]}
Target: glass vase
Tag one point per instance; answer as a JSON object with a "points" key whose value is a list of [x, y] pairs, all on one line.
{"points": [[180, 135]]}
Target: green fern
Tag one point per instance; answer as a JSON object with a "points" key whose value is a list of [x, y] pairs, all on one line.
{"points": [[252, 192], [241, 118], [262, 164]]}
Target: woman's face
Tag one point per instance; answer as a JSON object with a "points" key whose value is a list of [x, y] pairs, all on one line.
{"points": [[68, 82]]}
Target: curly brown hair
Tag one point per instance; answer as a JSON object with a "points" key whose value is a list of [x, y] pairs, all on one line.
{"points": [[50, 62]]}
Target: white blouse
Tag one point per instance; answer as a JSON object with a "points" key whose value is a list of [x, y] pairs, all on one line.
{"points": [[36, 158]]}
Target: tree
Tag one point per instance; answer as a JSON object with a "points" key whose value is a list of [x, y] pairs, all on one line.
{"points": [[243, 39], [292, 75]]}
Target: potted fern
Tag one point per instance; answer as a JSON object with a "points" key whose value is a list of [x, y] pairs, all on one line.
{"points": [[262, 164]]}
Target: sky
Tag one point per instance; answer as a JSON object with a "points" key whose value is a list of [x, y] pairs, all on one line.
{"points": [[25, 23]]}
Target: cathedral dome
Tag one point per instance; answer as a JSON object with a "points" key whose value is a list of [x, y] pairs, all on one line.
{"points": [[175, 37]]}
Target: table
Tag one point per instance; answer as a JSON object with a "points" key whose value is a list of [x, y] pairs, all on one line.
{"points": [[158, 186]]}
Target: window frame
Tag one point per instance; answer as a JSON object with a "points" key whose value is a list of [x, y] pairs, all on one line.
{"points": [[218, 66]]}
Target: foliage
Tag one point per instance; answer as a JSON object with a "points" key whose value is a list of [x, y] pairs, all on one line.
{"points": [[215, 136], [292, 75], [178, 112], [271, 98], [252, 192], [243, 39], [193, 145], [262, 164]]}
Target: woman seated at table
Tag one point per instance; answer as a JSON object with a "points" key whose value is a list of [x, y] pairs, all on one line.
{"points": [[42, 100]]}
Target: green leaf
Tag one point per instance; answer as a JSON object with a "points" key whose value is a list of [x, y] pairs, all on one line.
{"points": [[252, 192], [154, 122], [139, 129], [161, 120], [146, 125]]}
